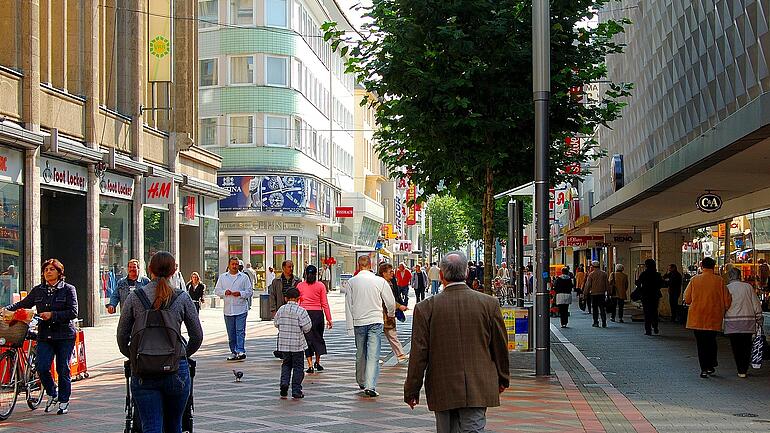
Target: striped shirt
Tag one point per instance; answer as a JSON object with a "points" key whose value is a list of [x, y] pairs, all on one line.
{"points": [[292, 322]]}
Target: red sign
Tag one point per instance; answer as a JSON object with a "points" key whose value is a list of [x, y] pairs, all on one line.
{"points": [[189, 208], [158, 190], [411, 196], [344, 212]]}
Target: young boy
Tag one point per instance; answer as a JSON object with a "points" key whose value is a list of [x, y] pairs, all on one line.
{"points": [[292, 322]]}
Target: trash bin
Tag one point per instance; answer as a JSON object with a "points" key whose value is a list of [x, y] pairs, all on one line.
{"points": [[264, 307]]}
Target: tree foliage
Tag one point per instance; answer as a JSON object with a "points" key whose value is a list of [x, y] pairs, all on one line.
{"points": [[447, 223]]}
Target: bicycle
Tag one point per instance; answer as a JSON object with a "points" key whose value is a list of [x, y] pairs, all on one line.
{"points": [[18, 372]]}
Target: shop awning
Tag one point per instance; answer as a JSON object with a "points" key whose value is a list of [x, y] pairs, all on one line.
{"points": [[351, 247]]}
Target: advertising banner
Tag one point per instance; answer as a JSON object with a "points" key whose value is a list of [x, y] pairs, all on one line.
{"points": [[160, 38], [276, 193], [411, 213]]}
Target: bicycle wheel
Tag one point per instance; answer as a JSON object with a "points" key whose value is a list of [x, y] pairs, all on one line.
{"points": [[34, 387], [9, 384]]}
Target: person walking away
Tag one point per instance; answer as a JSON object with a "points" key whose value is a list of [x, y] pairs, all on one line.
{"points": [[279, 286], [619, 289], [326, 278], [597, 288], [419, 282], [196, 290], [269, 277], [673, 280], [471, 274], [708, 299], [312, 295], [403, 278], [293, 323], [480, 272], [126, 285], [649, 284], [433, 276], [564, 286], [160, 398], [580, 279], [367, 293], [235, 288], [385, 271], [459, 397], [56, 303], [741, 320]]}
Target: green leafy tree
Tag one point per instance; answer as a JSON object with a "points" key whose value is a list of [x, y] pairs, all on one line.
{"points": [[454, 80], [472, 217], [447, 222]]}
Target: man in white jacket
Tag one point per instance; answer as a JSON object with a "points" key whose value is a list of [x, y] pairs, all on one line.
{"points": [[366, 293], [236, 289]]}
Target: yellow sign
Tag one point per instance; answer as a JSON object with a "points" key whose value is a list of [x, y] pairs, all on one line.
{"points": [[516, 318], [160, 37], [388, 233]]}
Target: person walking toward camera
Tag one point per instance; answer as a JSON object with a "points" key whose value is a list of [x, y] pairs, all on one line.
{"points": [[564, 287], [673, 280], [293, 324], [708, 299], [126, 285], [463, 363], [196, 289], [56, 303], [419, 282], [236, 289], [741, 320], [160, 387], [597, 288]]}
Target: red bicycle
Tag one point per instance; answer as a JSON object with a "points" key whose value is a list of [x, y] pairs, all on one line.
{"points": [[18, 372]]}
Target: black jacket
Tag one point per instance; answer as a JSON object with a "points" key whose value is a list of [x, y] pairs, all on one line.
{"points": [[563, 284], [62, 301], [197, 292], [674, 280], [650, 283]]}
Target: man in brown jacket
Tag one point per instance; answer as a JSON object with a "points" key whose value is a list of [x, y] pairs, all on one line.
{"points": [[708, 299], [466, 362], [597, 287]]}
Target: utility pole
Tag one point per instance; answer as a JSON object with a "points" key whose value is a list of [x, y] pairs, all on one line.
{"points": [[541, 94], [518, 224]]}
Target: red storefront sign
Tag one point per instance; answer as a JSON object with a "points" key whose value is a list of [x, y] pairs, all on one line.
{"points": [[344, 212]]}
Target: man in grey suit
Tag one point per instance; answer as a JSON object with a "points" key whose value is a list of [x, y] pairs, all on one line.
{"points": [[466, 363]]}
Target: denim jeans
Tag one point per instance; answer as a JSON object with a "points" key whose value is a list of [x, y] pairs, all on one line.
{"points": [[368, 342], [404, 292], [62, 350], [434, 285], [236, 332], [293, 368], [161, 402]]}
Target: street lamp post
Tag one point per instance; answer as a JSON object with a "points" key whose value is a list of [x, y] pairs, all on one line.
{"points": [[541, 92]]}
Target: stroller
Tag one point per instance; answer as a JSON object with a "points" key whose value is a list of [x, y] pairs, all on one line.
{"points": [[134, 425]]}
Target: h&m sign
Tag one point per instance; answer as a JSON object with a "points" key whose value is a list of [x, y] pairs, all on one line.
{"points": [[159, 190]]}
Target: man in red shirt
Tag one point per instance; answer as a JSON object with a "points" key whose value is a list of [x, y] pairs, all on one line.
{"points": [[403, 278]]}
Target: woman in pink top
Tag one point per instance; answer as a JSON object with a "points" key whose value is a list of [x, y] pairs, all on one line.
{"points": [[313, 299]]}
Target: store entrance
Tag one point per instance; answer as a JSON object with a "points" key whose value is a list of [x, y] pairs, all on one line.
{"points": [[189, 251], [63, 236]]}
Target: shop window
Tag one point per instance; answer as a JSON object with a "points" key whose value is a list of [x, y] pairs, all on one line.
{"points": [[277, 131], [210, 252], [257, 258], [115, 233], [295, 254], [279, 252], [208, 131], [11, 241], [276, 13], [155, 232], [241, 130], [208, 72], [276, 71], [242, 70], [234, 247], [208, 13], [242, 12]]}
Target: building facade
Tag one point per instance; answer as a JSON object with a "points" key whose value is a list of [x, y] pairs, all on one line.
{"points": [[86, 138]]}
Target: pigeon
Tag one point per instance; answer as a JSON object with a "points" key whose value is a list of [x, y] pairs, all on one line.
{"points": [[238, 375]]}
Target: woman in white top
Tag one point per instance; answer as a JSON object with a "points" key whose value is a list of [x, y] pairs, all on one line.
{"points": [[741, 319], [269, 277]]}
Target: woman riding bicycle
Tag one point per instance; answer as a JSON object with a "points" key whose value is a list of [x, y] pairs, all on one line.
{"points": [[57, 305]]}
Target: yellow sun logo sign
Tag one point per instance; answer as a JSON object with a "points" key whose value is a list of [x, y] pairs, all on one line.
{"points": [[160, 47]]}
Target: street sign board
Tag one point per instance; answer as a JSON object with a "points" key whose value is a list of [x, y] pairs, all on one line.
{"points": [[159, 190], [622, 238], [709, 202], [344, 212]]}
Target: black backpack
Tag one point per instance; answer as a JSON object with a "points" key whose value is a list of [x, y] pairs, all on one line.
{"points": [[156, 339]]}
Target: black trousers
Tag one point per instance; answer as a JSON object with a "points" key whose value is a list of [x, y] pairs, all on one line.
{"points": [[650, 315], [618, 310], [420, 294], [564, 314], [588, 301], [741, 345], [597, 305], [707, 349], [673, 301]]}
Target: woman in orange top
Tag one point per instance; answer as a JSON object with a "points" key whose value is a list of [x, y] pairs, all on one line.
{"points": [[312, 297], [708, 299]]}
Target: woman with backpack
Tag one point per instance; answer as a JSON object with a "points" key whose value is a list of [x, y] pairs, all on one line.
{"points": [[160, 386]]}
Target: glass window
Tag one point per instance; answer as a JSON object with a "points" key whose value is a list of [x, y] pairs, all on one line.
{"points": [[297, 134], [208, 132], [277, 71], [115, 233], [242, 70], [241, 129], [11, 242], [276, 13], [277, 131], [279, 251], [208, 13], [242, 12], [208, 72], [210, 252], [257, 256], [155, 232], [295, 251], [234, 247]]}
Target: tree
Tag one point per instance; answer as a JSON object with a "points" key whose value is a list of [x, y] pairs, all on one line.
{"points": [[448, 229], [454, 80]]}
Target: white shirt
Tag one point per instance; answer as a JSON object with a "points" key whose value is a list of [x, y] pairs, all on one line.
{"points": [[269, 277], [433, 273], [240, 282], [365, 293], [327, 275]]}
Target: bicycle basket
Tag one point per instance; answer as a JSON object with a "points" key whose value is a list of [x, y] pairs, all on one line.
{"points": [[14, 333]]}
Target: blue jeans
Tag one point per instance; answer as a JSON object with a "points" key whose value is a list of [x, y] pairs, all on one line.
{"points": [[434, 287], [236, 333], [293, 368], [368, 343], [161, 402], [62, 350], [404, 292]]}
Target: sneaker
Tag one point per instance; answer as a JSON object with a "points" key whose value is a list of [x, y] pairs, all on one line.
{"points": [[711, 371], [743, 375], [361, 387], [318, 367], [63, 408], [51, 401], [233, 357], [595, 325], [310, 370], [647, 333], [604, 325], [704, 375], [241, 357], [300, 395], [284, 391], [371, 393], [563, 326]]}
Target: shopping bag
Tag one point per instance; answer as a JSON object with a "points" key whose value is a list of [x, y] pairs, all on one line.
{"points": [[757, 349], [582, 303]]}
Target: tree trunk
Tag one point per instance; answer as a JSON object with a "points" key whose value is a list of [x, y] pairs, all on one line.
{"points": [[488, 223]]}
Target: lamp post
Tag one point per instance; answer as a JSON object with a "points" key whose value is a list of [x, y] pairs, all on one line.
{"points": [[541, 92]]}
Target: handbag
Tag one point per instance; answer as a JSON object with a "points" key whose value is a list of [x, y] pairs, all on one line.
{"points": [[563, 298], [582, 303], [636, 295]]}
